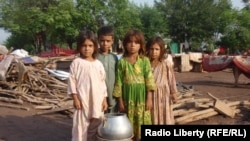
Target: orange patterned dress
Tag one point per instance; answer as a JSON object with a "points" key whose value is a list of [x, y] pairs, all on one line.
{"points": [[162, 113]]}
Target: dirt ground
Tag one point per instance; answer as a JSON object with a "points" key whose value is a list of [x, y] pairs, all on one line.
{"points": [[21, 125]]}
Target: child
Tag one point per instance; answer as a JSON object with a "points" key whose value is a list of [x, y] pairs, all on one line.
{"points": [[86, 85], [162, 67], [109, 60], [134, 82]]}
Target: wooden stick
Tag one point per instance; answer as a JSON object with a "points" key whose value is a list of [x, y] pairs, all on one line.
{"points": [[182, 112], [183, 100], [194, 114], [55, 110], [203, 116], [25, 96], [198, 117], [15, 107], [181, 105], [11, 92], [5, 99], [188, 94], [44, 107]]}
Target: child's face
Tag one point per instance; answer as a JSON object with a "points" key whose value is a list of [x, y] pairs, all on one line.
{"points": [[106, 43], [155, 51], [1, 57], [133, 46], [87, 49]]}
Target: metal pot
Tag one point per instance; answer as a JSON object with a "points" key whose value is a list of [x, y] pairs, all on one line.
{"points": [[115, 126]]}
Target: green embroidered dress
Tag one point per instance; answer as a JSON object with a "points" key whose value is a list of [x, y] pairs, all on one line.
{"points": [[132, 83]]}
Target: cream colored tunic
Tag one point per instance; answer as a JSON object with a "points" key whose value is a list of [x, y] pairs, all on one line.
{"points": [[87, 80]]}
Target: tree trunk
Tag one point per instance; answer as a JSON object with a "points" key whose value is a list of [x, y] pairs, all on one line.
{"points": [[70, 43]]}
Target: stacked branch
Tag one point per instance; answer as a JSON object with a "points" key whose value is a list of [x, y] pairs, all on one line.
{"points": [[27, 83]]}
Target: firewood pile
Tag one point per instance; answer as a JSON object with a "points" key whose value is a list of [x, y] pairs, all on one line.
{"points": [[193, 106], [33, 85]]}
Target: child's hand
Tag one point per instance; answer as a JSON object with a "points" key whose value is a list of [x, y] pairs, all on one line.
{"points": [[121, 107], [174, 97], [104, 104], [149, 104], [77, 104]]}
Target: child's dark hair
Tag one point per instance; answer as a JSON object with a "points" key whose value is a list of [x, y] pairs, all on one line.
{"points": [[106, 31], [139, 37], [156, 40], [84, 35]]}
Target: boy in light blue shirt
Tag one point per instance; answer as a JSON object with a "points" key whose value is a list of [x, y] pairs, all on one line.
{"points": [[106, 39]]}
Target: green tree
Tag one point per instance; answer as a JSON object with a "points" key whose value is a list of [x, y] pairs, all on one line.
{"points": [[237, 30], [38, 20], [193, 20], [153, 22], [123, 15]]}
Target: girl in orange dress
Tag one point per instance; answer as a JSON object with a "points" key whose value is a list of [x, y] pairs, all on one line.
{"points": [[162, 67]]}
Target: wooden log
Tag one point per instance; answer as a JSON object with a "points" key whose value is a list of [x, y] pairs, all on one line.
{"points": [[222, 107], [11, 92], [196, 107], [188, 94], [56, 86], [191, 115], [203, 100], [198, 117], [31, 100], [237, 103], [181, 105], [7, 85], [66, 103], [204, 105], [182, 112], [55, 110], [202, 116], [45, 100], [44, 107], [15, 107], [190, 102], [184, 100], [11, 100], [53, 81]]}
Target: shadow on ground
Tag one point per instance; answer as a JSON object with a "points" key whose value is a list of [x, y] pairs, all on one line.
{"points": [[35, 128]]}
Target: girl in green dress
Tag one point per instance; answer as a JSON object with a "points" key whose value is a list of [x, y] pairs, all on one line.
{"points": [[135, 83]]}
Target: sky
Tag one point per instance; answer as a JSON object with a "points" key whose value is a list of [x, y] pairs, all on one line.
{"points": [[236, 3], [4, 35]]}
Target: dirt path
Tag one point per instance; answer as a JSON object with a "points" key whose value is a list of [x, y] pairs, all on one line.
{"points": [[20, 125]]}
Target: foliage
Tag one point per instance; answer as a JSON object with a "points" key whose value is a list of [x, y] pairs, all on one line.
{"points": [[153, 22], [35, 25], [193, 20], [237, 31]]}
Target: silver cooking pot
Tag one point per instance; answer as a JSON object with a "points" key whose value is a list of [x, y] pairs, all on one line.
{"points": [[115, 126]]}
